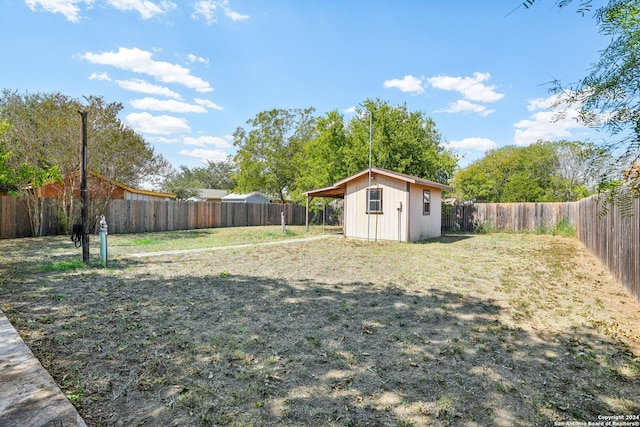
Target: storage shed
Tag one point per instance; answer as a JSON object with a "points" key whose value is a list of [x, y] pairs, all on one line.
{"points": [[254, 197], [384, 205], [209, 195]]}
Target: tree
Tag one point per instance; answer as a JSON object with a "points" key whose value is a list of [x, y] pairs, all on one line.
{"points": [[182, 183], [541, 172], [324, 161], [43, 130], [215, 175], [290, 151], [401, 140], [269, 155], [6, 178]]}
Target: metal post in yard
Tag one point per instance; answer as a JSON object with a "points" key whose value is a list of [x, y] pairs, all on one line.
{"points": [[283, 222], [103, 241], [83, 192]]}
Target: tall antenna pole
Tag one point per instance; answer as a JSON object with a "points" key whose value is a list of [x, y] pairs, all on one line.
{"points": [[83, 192], [370, 114]]}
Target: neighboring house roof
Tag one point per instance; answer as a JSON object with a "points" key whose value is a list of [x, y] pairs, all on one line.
{"points": [[119, 184], [337, 190], [208, 193], [234, 197]]}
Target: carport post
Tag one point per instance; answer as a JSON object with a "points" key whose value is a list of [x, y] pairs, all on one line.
{"points": [[306, 217]]}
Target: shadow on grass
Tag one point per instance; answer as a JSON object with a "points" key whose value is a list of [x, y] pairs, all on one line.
{"points": [[231, 349], [449, 237]]}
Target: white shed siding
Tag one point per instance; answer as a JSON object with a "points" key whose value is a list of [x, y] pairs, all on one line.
{"points": [[128, 195], [424, 226], [391, 224], [354, 205]]}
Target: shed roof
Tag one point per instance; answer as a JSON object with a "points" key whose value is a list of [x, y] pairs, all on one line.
{"points": [[209, 193], [236, 196], [337, 190]]}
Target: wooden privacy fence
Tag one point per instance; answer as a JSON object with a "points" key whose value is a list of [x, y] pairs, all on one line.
{"points": [[508, 216], [137, 216], [129, 216], [15, 222], [613, 237]]}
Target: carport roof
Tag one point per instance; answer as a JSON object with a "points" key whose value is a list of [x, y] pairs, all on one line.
{"points": [[334, 192]]}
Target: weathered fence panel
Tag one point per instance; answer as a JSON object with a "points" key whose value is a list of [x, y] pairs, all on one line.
{"points": [[139, 216], [135, 216], [614, 238], [15, 221], [508, 216]]}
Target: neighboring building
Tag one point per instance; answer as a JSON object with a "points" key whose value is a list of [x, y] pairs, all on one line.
{"points": [[100, 185], [209, 195], [397, 206], [254, 197]]}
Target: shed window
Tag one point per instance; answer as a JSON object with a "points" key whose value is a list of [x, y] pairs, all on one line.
{"points": [[426, 202], [374, 200]]}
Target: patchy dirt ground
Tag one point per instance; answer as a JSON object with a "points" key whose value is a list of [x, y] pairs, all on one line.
{"points": [[479, 330]]}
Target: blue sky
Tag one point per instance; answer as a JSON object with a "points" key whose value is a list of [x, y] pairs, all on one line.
{"points": [[190, 72]]}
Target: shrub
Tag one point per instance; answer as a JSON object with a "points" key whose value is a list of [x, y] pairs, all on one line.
{"points": [[485, 228], [564, 228]]}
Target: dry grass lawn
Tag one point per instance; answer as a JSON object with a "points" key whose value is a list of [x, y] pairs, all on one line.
{"points": [[476, 330]]}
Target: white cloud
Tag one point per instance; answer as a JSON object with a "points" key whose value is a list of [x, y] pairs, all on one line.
{"points": [[100, 76], [471, 88], [140, 61], [235, 16], [71, 8], [408, 83], [350, 110], [207, 9], [203, 141], [170, 105], [463, 106], [164, 140], [193, 58], [547, 122], [163, 125], [147, 9], [141, 86], [480, 144], [208, 104], [68, 8], [204, 155]]}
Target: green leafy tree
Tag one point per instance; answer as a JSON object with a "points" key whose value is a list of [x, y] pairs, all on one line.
{"points": [[270, 153], [6, 176], [541, 172], [324, 161], [215, 175], [401, 140], [289, 151], [182, 183]]}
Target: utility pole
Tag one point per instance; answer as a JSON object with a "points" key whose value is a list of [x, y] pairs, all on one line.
{"points": [[83, 192]]}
